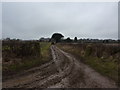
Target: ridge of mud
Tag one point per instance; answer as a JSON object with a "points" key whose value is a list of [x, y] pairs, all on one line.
{"points": [[64, 71]]}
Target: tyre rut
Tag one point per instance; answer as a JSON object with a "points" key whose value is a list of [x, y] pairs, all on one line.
{"points": [[64, 71]]}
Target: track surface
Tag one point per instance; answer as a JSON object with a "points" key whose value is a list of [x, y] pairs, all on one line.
{"points": [[64, 71]]}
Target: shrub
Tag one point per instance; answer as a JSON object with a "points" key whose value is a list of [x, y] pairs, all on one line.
{"points": [[20, 49]]}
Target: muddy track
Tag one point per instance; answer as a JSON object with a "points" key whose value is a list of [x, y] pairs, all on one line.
{"points": [[64, 71]]}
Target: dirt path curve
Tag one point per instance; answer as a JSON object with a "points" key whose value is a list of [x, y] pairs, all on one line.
{"points": [[64, 71]]}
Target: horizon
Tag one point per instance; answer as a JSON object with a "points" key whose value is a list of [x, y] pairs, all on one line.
{"points": [[63, 38]]}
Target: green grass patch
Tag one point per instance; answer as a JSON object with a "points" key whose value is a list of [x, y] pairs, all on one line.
{"points": [[107, 68], [45, 50], [25, 65]]}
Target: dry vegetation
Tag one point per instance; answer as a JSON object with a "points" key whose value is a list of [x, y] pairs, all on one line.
{"points": [[21, 55], [104, 58]]}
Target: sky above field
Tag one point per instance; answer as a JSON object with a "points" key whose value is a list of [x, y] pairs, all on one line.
{"points": [[83, 20]]}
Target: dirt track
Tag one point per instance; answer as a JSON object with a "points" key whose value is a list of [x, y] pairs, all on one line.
{"points": [[64, 71]]}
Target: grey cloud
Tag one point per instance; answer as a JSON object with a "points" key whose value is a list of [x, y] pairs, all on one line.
{"points": [[0, 20], [84, 20]]}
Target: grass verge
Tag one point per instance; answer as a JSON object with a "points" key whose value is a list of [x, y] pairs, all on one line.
{"points": [[105, 66], [29, 62]]}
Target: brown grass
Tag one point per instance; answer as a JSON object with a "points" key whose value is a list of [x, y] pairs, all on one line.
{"points": [[103, 58]]}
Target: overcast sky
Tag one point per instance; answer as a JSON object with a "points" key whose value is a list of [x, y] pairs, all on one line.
{"points": [[83, 20]]}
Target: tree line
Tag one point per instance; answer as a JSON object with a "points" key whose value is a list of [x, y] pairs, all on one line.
{"points": [[57, 37]]}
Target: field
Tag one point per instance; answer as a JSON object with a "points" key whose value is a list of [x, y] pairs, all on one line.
{"points": [[104, 58], [42, 65], [22, 55]]}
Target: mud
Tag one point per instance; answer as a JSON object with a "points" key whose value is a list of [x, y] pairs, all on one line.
{"points": [[64, 71]]}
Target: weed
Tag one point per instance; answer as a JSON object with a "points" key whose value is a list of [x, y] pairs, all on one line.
{"points": [[103, 58]]}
